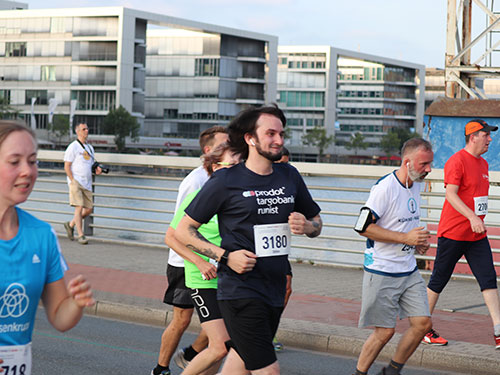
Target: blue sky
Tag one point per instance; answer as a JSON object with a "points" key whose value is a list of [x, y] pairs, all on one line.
{"points": [[409, 30]]}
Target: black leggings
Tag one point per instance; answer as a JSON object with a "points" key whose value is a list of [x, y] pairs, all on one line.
{"points": [[478, 255]]}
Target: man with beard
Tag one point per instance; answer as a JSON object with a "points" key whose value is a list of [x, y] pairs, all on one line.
{"points": [[461, 228], [392, 285], [259, 204]]}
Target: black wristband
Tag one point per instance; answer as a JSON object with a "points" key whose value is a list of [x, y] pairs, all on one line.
{"points": [[223, 259]]}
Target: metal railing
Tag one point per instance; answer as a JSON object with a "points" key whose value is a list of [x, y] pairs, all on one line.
{"points": [[133, 205]]}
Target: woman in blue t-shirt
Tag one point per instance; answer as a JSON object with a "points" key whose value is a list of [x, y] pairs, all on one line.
{"points": [[32, 264]]}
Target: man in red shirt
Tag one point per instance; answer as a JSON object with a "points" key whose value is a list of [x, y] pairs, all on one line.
{"points": [[461, 228]]}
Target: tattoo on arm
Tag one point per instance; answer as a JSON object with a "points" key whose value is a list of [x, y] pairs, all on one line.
{"points": [[207, 252], [193, 231], [317, 223]]}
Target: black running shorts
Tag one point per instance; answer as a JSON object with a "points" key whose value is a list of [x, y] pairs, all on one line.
{"points": [[478, 255], [252, 325], [177, 293], [205, 303]]}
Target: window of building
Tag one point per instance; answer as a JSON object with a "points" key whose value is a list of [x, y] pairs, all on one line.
{"points": [[95, 26], [302, 98], [41, 120], [15, 49], [40, 95], [47, 73], [94, 100], [189, 130], [170, 113], [206, 67], [283, 60], [5, 96], [57, 25], [93, 122]]}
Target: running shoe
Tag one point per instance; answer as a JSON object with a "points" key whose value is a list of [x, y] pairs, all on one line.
{"points": [[497, 342], [278, 346], [82, 240], [180, 360], [69, 231], [433, 338], [164, 372]]}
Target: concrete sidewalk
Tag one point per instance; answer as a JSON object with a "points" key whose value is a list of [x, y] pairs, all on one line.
{"points": [[129, 282]]}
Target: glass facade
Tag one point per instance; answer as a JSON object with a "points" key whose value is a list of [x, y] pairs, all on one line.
{"points": [[196, 80], [15, 49], [373, 97], [302, 98], [40, 95], [320, 86], [206, 67], [94, 100], [43, 50], [302, 88], [5, 96], [181, 82], [303, 60]]}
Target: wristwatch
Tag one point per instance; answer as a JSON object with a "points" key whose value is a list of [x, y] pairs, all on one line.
{"points": [[223, 259]]}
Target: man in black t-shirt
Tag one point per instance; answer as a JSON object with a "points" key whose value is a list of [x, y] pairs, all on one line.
{"points": [[259, 205]]}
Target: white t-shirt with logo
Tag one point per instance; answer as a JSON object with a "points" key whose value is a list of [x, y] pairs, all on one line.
{"points": [[397, 209], [193, 181], [81, 163]]}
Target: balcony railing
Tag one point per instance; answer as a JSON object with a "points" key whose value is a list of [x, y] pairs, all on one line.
{"points": [[131, 204]]}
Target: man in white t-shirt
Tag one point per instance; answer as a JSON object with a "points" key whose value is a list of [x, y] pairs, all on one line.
{"points": [[78, 161], [392, 285], [177, 294]]}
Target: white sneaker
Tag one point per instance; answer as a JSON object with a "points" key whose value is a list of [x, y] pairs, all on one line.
{"points": [[180, 360]]}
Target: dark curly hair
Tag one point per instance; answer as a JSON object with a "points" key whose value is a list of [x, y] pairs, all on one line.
{"points": [[246, 122]]}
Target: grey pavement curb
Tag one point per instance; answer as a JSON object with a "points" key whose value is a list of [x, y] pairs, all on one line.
{"points": [[458, 356]]}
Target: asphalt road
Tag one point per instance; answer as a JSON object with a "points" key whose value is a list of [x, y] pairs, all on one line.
{"points": [[102, 346]]}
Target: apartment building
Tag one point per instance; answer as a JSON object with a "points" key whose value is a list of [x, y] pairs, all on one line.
{"points": [[347, 92], [87, 61], [195, 80]]}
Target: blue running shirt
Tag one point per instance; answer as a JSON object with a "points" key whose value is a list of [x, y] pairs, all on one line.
{"points": [[28, 261]]}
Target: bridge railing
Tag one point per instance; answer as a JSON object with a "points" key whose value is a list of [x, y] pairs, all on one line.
{"points": [[135, 202]]}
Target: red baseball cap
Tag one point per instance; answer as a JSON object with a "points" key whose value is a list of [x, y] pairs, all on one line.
{"points": [[477, 124]]}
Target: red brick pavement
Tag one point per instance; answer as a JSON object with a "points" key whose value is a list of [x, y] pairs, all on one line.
{"points": [[457, 326], [121, 282]]}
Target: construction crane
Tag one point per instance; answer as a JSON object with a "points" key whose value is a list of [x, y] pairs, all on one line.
{"points": [[465, 67]]}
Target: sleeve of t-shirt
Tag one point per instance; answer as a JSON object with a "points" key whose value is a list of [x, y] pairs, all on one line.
{"points": [[187, 186], [378, 200], [179, 214], [69, 154], [453, 171], [55, 260], [304, 202], [208, 201]]}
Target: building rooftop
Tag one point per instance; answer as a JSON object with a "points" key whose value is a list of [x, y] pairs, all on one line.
{"points": [[447, 107], [152, 18]]}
